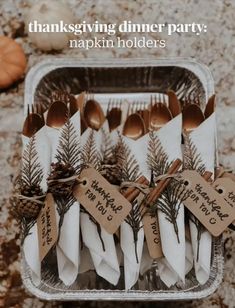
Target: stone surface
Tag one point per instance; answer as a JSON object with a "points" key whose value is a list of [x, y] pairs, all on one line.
{"points": [[216, 49]]}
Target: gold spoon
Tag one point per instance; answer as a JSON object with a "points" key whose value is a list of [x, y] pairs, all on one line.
{"points": [[192, 117], [159, 116], [33, 123], [134, 127], [174, 104], [210, 106], [57, 115], [93, 114]]}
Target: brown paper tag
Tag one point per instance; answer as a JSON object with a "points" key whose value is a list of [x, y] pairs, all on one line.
{"points": [[47, 227], [152, 235], [226, 188], [102, 200], [207, 205]]}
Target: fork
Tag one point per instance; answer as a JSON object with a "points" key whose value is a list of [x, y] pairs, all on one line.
{"points": [[114, 114], [157, 98]]}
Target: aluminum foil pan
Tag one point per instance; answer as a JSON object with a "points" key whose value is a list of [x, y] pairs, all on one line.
{"points": [[189, 80]]}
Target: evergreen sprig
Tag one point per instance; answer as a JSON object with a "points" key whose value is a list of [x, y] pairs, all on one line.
{"points": [[90, 154], [192, 159], [31, 171], [134, 219], [126, 163], [30, 176], [157, 159], [68, 151]]}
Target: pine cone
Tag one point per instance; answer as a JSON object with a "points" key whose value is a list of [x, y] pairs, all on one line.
{"points": [[110, 171], [28, 209], [31, 191], [23, 208], [111, 175], [61, 171]]}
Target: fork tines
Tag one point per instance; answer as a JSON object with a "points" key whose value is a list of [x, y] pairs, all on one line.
{"points": [[191, 100], [89, 96], [114, 103], [157, 98], [137, 106]]}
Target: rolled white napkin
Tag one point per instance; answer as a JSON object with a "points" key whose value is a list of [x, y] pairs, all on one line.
{"points": [[30, 245], [86, 263], [172, 266], [188, 252], [67, 249], [101, 246], [204, 139], [103, 252], [146, 261], [133, 250]]}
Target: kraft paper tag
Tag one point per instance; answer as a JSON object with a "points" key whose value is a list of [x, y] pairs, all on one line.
{"points": [[152, 235], [102, 200], [205, 203], [47, 228], [226, 188]]}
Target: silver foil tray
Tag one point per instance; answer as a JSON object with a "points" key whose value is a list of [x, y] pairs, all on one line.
{"points": [[188, 79]]}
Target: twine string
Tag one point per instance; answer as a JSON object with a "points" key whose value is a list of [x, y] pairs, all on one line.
{"points": [[35, 199], [145, 188]]}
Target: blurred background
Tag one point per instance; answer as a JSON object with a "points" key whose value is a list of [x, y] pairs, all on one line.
{"points": [[216, 49]]}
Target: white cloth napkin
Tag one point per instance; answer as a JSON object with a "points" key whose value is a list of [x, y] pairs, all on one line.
{"points": [[188, 252], [105, 261], [172, 266], [203, 137], [30, 246], [68, 246], [138, 148], [146, 261]]}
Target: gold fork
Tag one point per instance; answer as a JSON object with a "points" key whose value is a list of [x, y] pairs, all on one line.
{"points": [[114, 113]]}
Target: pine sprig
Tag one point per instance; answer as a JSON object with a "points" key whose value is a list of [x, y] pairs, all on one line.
{"points": [[134, 219], [126, 163], [193, 161], [90, 154], [68, 151], [170, 200], [31, 171], [157, 159], [169, 203], [31, 177]]}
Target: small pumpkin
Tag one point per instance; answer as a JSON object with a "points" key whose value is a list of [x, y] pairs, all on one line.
{"points": [[12, 61], [46, 13]]}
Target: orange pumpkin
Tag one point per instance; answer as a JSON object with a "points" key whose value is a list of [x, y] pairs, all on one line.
{"points": [[12, 61]]}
